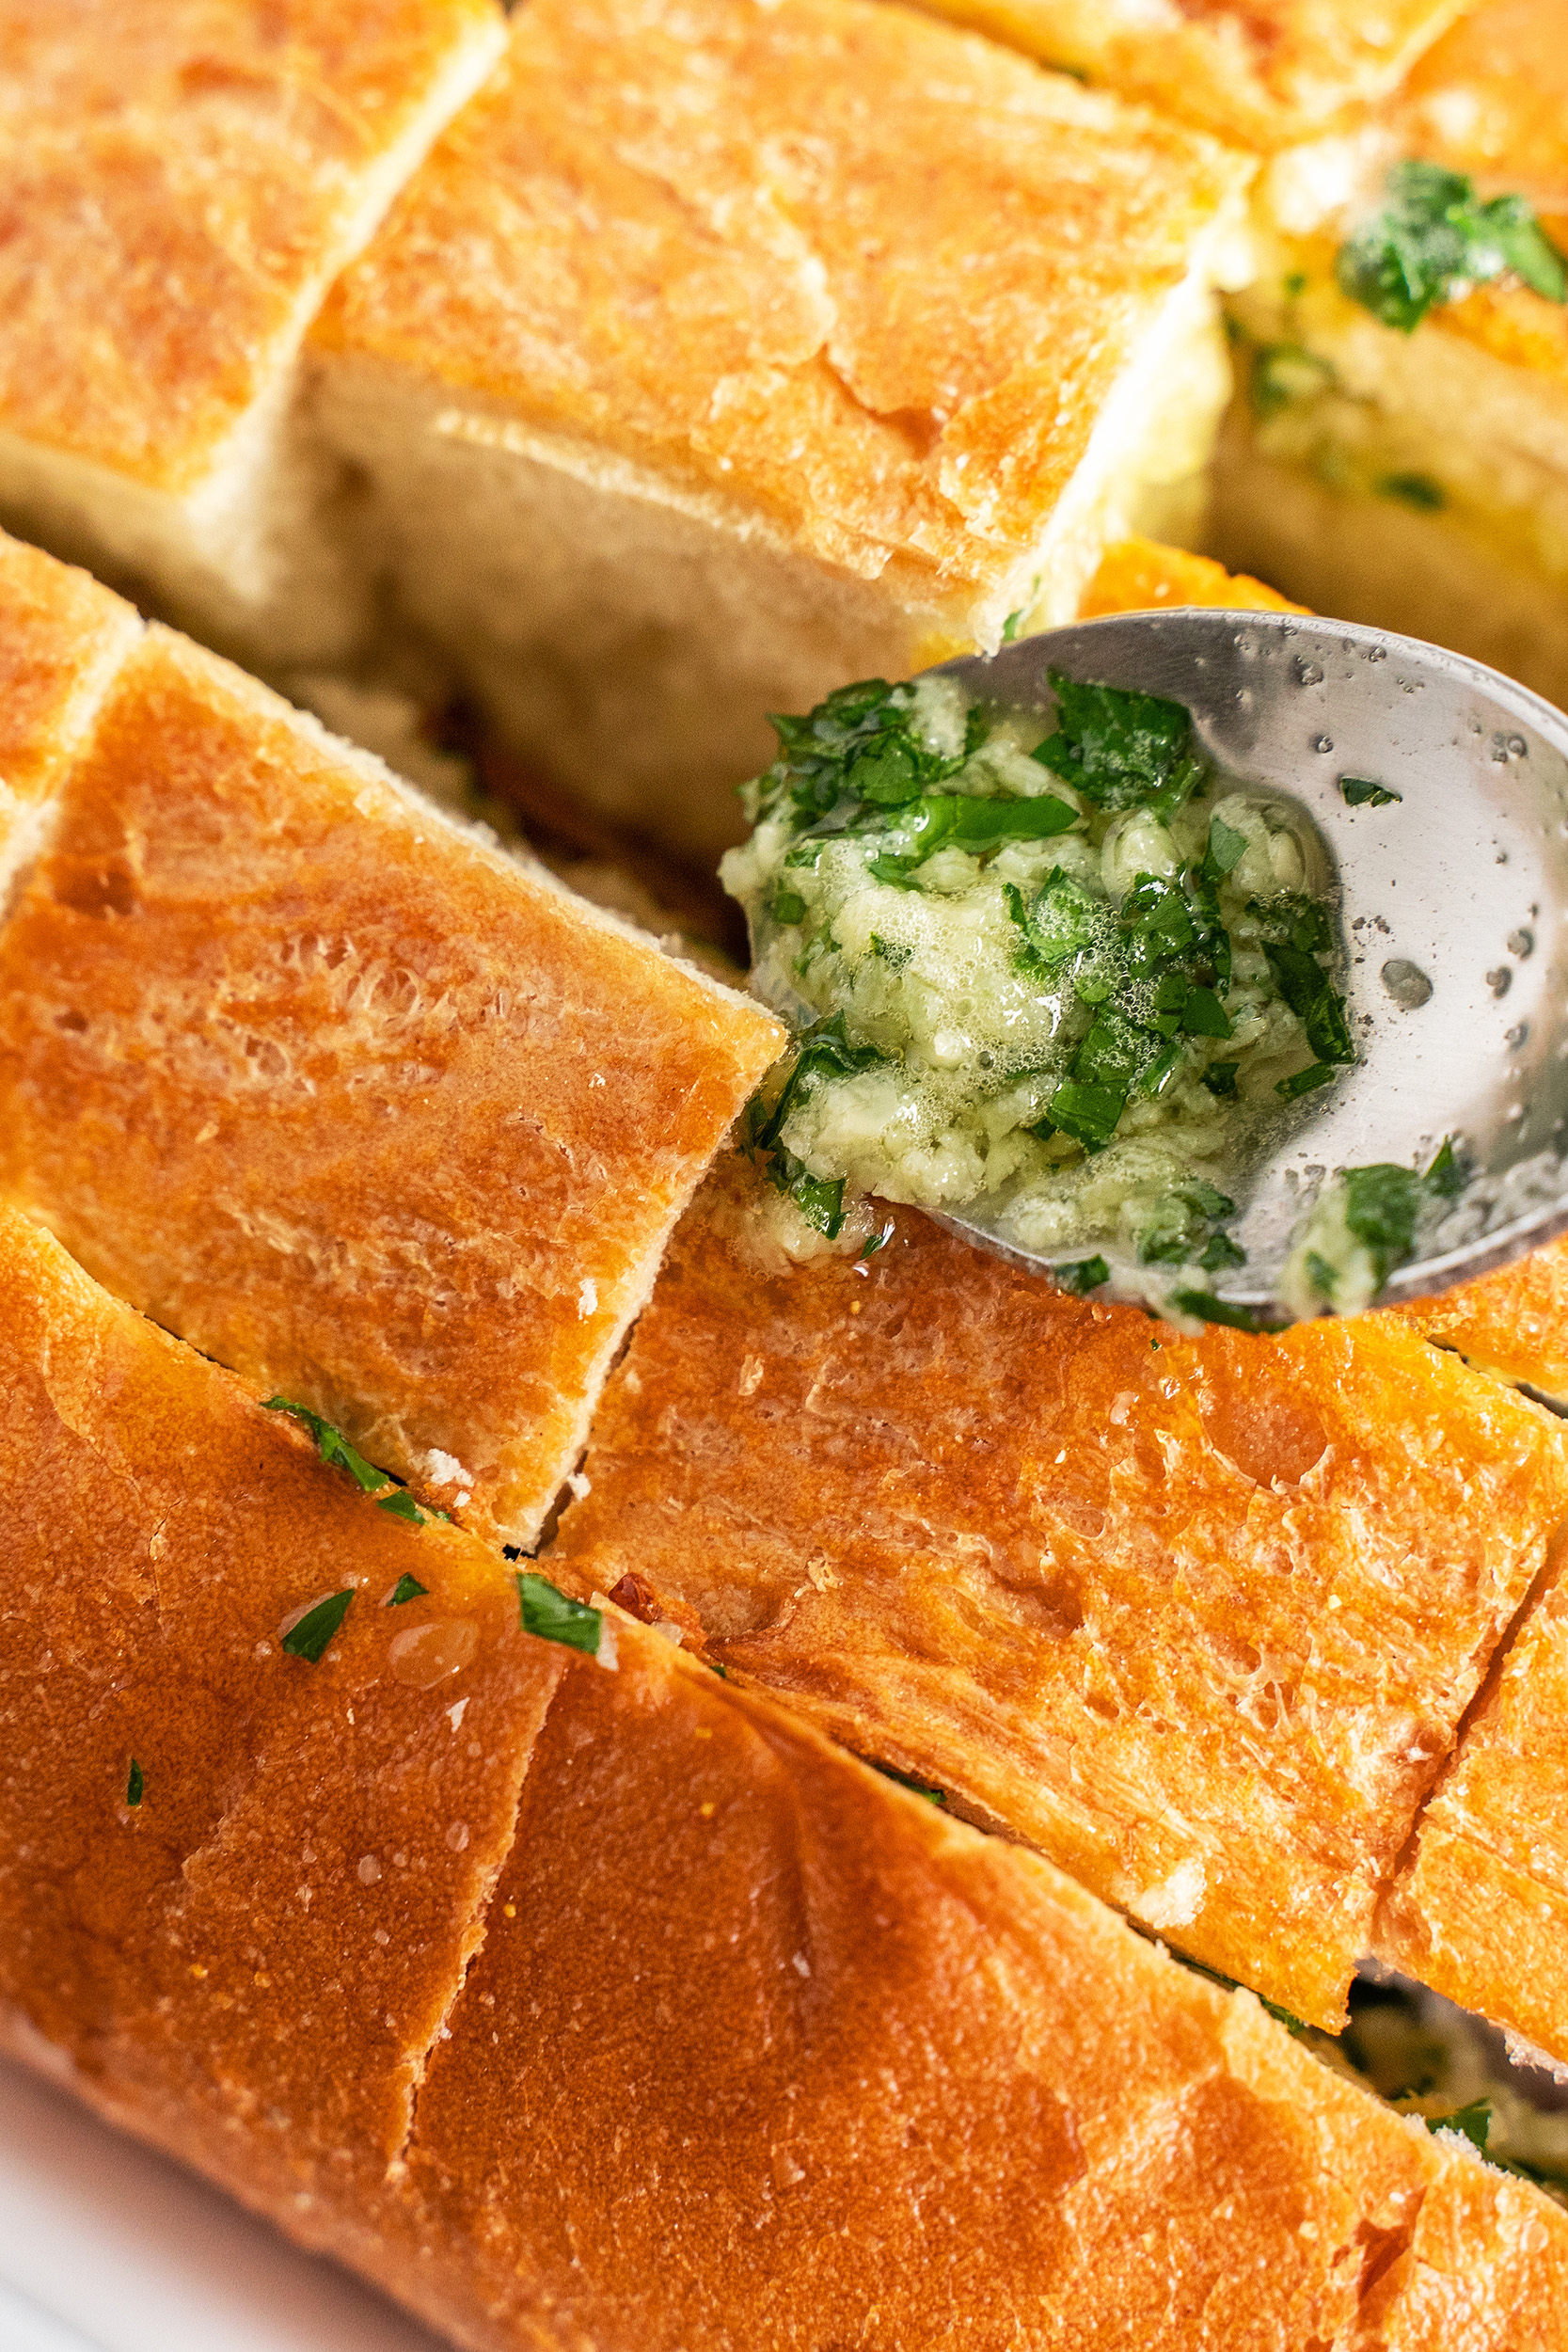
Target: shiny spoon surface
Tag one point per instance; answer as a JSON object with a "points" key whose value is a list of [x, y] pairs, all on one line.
{"points": [[1454, 903]]}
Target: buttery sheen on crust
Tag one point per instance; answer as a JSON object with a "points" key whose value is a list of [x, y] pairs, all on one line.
{"points": [[270, 1940], [750, 2047], [1199, 1618], [61, 638], [1262, 72], [340, 1094]]}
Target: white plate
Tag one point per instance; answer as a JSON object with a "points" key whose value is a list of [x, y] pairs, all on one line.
{"points": [[106, 2248]]}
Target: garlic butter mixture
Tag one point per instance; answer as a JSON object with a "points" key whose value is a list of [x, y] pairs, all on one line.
{"points": [[1067, 966]]}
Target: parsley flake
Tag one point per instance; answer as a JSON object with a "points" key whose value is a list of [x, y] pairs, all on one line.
{"points": [[309, 1637], [1082, 1276], [544, 1610], [1361, 792], [1121, 750], [406, 1589], [332, 1445], [136, 1783], [1432, 237]]}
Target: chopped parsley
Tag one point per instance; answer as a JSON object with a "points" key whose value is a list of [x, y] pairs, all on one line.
{"points": [[135, 1784], [406, 1589], [1208, 1309], [544, 1610], [1433, 237], [1361, 792], [334, 1447], [1082, 1276], [1119, 749], [309, 1636], [1364, 1225], [1286, 374], [1421, 491]]}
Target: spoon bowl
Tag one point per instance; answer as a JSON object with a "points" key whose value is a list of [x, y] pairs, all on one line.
{"points": [[1453, 902]]}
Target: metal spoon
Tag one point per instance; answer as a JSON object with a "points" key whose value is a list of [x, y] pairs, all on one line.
{"points": [[1454, 900]]}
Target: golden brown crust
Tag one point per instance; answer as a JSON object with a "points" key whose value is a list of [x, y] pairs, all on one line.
{"points": [[344, 1097], [1491, 99], [754, 2045], [1198, 1617], [1481, 1912], [745, 276], [278, 1928], [1513, 1323], [1264, 72], [180, 180], [61, 637], [1138, 575]]}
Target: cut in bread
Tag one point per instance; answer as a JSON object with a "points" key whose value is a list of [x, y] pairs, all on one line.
{"points": [[1199, 1618], [756, 2049], [62, 637], [338, 1092], [1263, 72], [1513, 1323], [1419, 481], [720, 352], [1481, 1911], [180, 181]]}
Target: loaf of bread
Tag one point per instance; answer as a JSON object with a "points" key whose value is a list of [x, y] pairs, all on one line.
{"points": [[180, 184], [722, 351], [581, 2000], [1199, 1618], [339, 1093]]}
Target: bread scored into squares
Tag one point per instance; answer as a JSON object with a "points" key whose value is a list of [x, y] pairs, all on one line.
{"points": [[579, 1999], [338, 1092], [1199, 1618], [1263, 73], [722, 352], [179, 182]]}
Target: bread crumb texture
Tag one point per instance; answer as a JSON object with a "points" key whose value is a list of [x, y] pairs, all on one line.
{"points": [[179, 181], [61, 638], [1482, 1911], [1263, 72], [1198, 1617], [342, 1095], [750, 2048], [729, 240]]}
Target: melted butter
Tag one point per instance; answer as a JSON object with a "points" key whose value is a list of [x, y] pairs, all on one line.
{"points": [[424, 1655]]}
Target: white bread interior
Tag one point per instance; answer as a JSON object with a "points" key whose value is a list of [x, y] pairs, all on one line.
{"points": [[250, 557], [629, 632]]}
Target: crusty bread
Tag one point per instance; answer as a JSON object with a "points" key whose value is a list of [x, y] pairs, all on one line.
{"points": [[1138, 575], [751, 2048], [1263, 72], [1513, 1323], [1491, 98], [719, 353], [180, 181], [1198, 1618], [61, 638], [1480, 1910], [340, 1094]]}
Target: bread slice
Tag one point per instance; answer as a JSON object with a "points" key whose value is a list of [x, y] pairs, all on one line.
{"points": [[61, 638], [180, 185], [1198, 1618], [1480, 1910], [741, 2046], [1265, 74], [1138, 575], [1418, 482], [337, 1091], [724, 351], [242, 1886]]}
